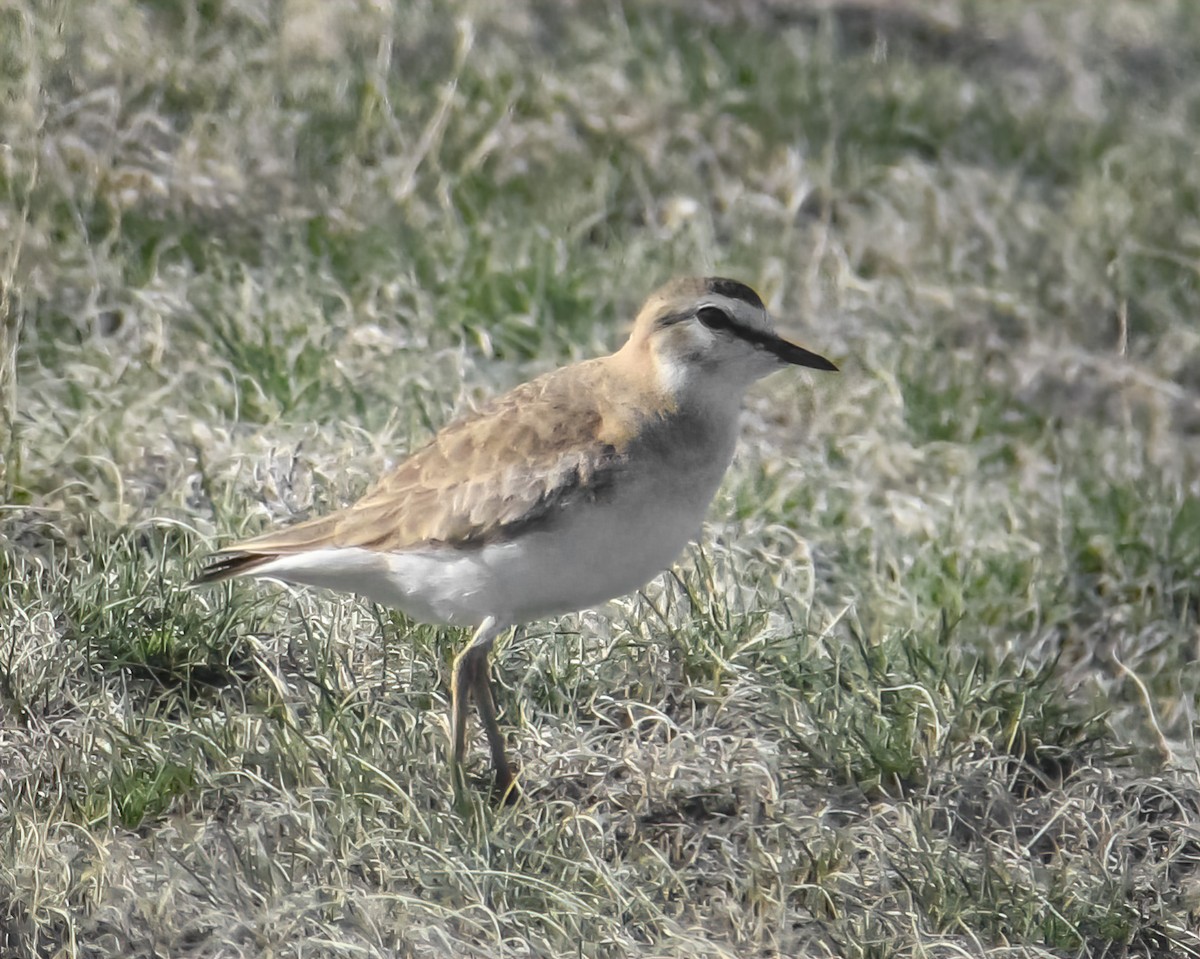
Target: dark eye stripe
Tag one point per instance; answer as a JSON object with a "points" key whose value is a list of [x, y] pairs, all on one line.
{"points": [[718, 320]]}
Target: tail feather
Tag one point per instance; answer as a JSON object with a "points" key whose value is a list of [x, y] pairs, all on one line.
{"points": [[250, 554], [226, 566]]}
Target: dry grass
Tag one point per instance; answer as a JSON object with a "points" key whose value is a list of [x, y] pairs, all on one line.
{"points": [[927, 688]]}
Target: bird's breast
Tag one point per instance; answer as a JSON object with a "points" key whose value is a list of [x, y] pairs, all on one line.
{"points": [[601, 548]]}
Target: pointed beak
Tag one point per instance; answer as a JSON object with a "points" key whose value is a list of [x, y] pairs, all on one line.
{"points": [[783, 350], [796, 355]]}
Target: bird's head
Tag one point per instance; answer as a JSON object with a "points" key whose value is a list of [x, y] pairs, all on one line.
{"points": [[710, 335]]}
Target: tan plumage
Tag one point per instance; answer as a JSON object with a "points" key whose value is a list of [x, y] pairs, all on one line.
{"points": [[482, 478], [596, 474]]}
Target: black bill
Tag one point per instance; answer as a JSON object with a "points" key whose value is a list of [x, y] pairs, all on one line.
{"points": [[717, 319], [797, 355]]}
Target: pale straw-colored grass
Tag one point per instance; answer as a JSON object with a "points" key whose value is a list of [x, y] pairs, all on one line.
{"points": [[928, 686]]}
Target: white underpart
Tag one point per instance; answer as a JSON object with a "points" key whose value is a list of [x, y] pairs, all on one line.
{"points": [[595, 552], [676, 376]]}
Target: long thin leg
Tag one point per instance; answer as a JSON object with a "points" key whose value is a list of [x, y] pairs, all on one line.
{"points": [[470, 675], [506, 789], [461, 686]]}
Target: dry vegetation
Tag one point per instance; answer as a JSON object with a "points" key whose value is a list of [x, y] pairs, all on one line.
{"points": [[928, 688]]}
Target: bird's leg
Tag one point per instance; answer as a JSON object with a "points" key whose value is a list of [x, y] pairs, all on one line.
{"points": [[461, 685], [505, 786], [470, 678]]}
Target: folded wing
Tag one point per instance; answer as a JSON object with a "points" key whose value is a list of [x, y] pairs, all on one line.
{"points": [[482, 479]]}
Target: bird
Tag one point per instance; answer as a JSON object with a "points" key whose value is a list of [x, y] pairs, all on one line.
{"points": [[572, 489]]}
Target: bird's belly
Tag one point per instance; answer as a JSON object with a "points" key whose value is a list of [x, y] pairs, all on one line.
{"points": [[594, 552], [604, 552]]}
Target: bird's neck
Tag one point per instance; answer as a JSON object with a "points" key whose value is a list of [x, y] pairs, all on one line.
{"points": [[669, 387], [686, 424]]}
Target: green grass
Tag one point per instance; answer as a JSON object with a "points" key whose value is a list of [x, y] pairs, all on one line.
{"points": [[927, 688]]}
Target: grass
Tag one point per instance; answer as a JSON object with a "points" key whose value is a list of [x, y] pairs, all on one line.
{"points": [[927, 687]]}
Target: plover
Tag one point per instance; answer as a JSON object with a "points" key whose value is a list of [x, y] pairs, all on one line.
{"points": [[572, 489]]}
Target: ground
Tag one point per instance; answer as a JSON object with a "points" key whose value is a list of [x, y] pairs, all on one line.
{"points": [[928, 685]]}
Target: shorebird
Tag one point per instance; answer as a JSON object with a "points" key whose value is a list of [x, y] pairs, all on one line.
{"points": [[572, 489]]}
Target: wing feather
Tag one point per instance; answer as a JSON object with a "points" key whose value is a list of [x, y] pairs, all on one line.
{"points": [[481, 479]]}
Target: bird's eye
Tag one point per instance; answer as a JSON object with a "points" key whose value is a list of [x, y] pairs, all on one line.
{"points": [[714, 318]]}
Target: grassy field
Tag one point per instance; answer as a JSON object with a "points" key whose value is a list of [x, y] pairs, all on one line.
{"points": [[928, 686]]}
